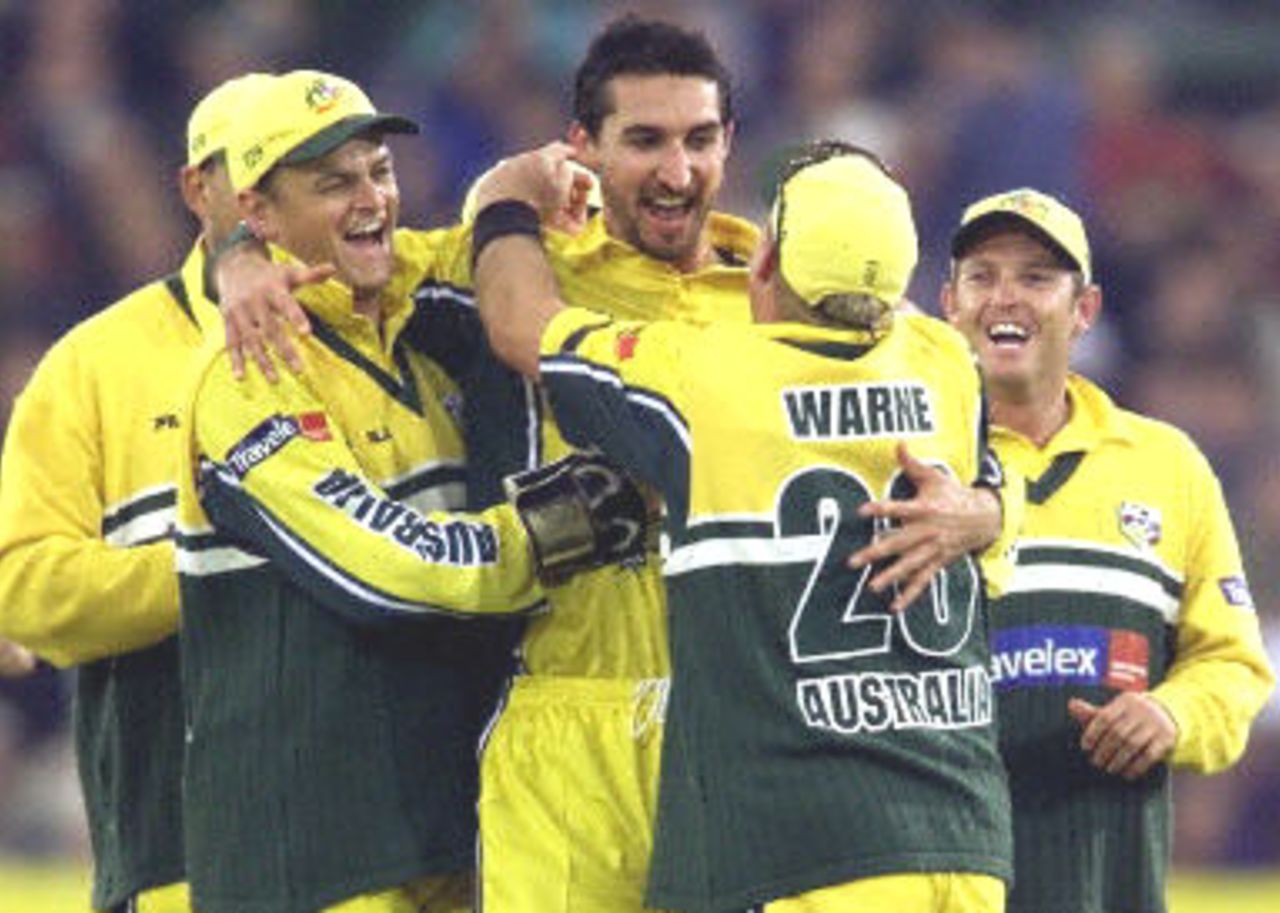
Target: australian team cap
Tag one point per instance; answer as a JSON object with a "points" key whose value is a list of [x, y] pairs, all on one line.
{"points": [[1043, 217], [303, 115], [210, 123], [844, 226]]}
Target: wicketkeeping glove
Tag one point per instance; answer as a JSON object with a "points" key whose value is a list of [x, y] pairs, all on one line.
{"points": [[582, 512]]}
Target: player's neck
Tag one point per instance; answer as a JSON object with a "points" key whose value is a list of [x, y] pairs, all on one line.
{"points": [[1037, 418]]}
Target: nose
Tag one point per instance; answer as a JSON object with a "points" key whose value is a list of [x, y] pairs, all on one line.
{"points": [[368, 193], [675, 170], [1006, 289]]}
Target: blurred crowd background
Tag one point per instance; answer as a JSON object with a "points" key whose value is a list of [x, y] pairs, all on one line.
{"points": [[1159, 120]]}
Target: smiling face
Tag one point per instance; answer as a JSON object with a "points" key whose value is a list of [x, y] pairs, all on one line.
{"points": [[340, 208], [660, 157], [1021, 312]]}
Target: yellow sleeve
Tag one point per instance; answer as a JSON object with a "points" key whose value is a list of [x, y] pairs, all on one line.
{"points": [[442, 254], [276, 473], [1220, 677], [66, 593]]}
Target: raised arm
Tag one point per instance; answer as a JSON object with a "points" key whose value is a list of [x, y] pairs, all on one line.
{"points": [[516, 289]]}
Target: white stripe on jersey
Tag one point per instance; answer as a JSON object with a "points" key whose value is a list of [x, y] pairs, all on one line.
{"points": [[699, 556], [147, 527], [220, 560], [1084, 548], [1114, 581], [599, 375]]}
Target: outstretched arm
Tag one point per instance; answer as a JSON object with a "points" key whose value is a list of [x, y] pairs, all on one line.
{"points": [[255, 296]]}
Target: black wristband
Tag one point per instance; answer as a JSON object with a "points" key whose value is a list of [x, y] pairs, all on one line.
{"points": [[502, 218], [237, 236]]}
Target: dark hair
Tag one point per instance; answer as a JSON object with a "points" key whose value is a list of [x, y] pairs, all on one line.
{"points": [[631, 46]]}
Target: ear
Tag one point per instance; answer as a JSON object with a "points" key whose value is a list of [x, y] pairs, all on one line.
{"points": [[191, 186], [1088, 308], [728, 137], [764, 259], [259, 214], [762, 273], [947, 297], [585, 150]]}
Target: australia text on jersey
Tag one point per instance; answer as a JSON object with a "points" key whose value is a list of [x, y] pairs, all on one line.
{"points": [[457, 543], [955, 698]]}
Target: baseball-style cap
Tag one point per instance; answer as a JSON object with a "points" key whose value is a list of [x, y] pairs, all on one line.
{"points": [[1045, 218], [844, 226], [211, 120], [302, 115]]}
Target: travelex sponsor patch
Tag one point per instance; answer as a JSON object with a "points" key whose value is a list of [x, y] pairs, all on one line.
{"points": [[262, 442], [1046, 655]]}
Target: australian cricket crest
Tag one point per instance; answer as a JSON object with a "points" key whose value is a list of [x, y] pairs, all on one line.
{"points": [[1140, 524]]}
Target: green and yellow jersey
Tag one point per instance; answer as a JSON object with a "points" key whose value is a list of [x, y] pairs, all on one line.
{"points": [[812, 737], [511, 428], [1128, 579], [309, 511], [596, 664], [87, 495]]}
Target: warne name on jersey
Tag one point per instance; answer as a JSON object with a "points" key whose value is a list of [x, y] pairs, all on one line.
{"points": [[859, 411]]}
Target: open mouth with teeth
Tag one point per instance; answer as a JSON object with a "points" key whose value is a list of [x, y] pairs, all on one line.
{"points": [[668, 209], [1007, 334], [366, 236]]}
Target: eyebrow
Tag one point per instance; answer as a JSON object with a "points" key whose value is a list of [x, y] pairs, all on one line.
{"points": [[642, 127]]}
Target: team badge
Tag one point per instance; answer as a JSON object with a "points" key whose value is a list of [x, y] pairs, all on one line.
{"points": [[1026, 204], [1140, 524], [322, 95]]}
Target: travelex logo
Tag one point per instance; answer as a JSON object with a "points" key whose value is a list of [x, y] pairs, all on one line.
{"points": [[263, 440], [1046, 655]]}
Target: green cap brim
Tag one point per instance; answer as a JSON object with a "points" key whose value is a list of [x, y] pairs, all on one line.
{"points": [[990, 224], [336, 134]]}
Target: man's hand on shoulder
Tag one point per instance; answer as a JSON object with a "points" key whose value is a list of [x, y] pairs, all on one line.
{"points": [[258, 307]]}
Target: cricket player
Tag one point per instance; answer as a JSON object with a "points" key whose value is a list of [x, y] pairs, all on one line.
{"points": [[1127, 643], [569, 772], [331, 765], [87, 494], [823, 753]]}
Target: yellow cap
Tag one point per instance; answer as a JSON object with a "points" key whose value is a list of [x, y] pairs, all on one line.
{"points": [[300, 116], [211, 120], [844, 226], [1045, 218]]}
